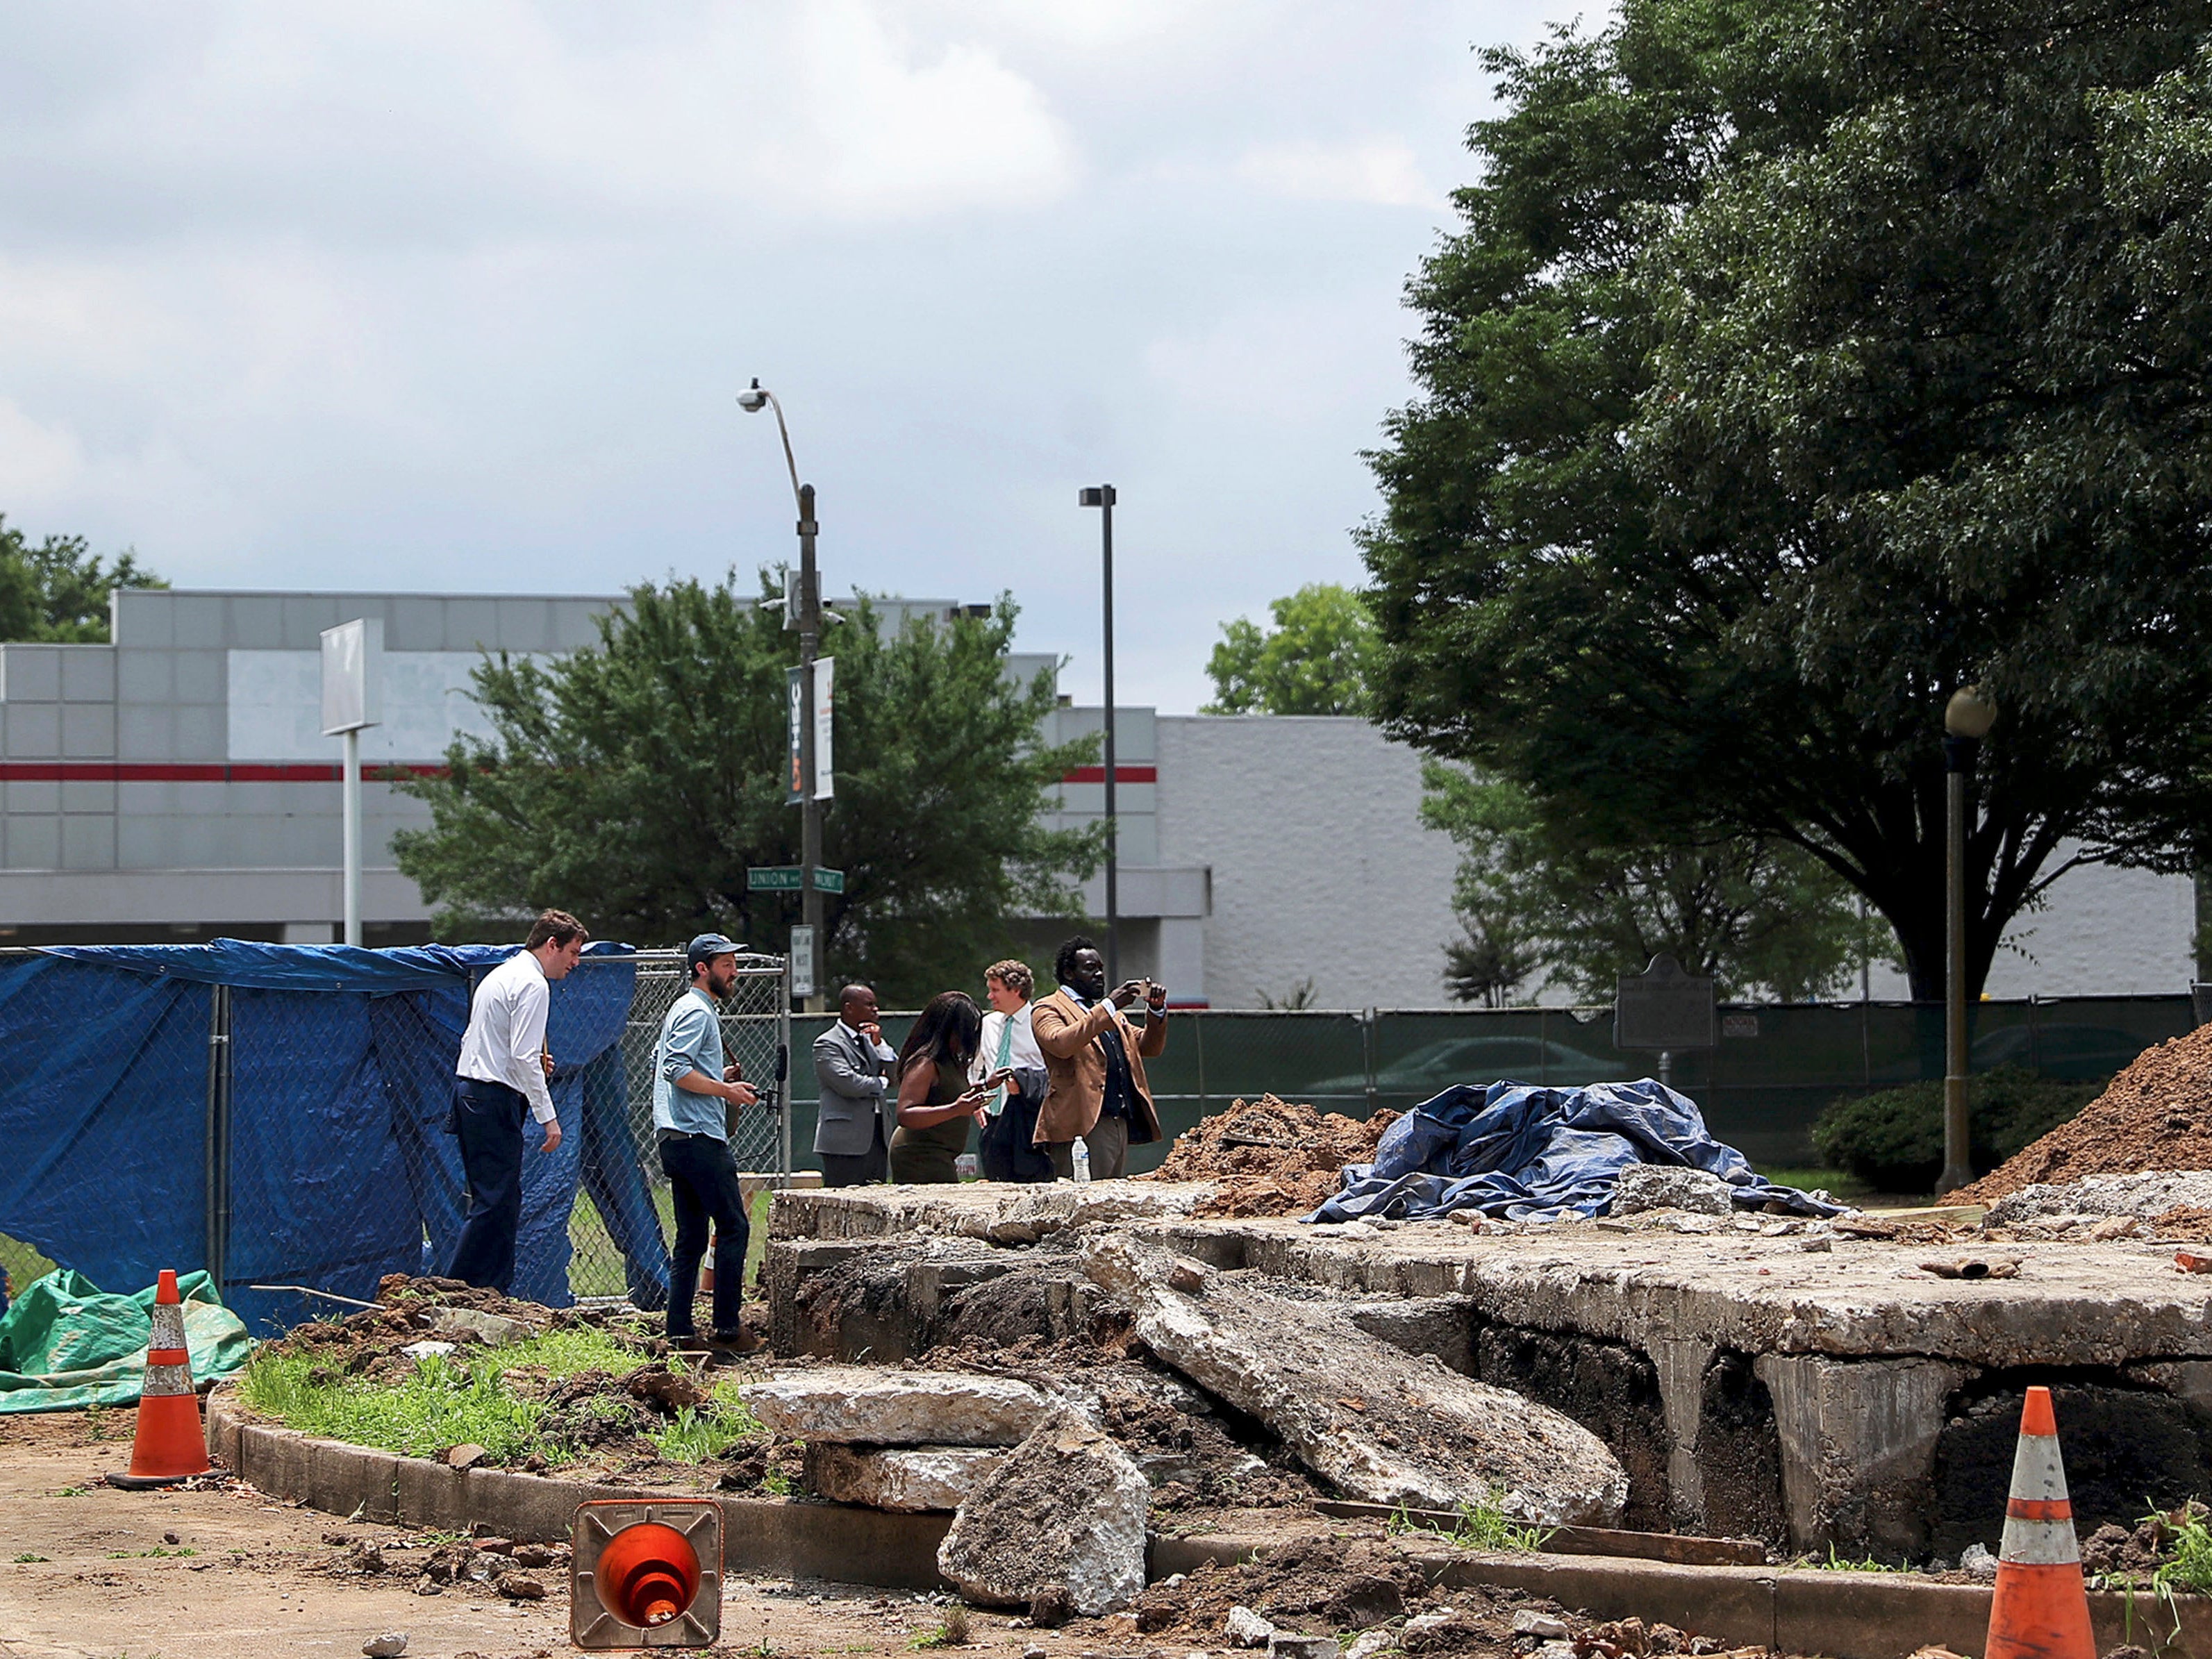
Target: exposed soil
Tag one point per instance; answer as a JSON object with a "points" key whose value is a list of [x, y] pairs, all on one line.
{"points": [[1269, 1157], [2156, 1115], [1326, 1585]]}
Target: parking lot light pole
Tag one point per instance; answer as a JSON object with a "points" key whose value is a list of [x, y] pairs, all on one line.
{"points": [[1102, 497], [1966, 720], [752, 400]]}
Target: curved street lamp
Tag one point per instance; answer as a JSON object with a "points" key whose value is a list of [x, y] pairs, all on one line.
{"points": [[1967, 718], [754, 398]]}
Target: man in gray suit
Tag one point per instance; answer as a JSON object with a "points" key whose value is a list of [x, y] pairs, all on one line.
{"points": [[859, 1095]]}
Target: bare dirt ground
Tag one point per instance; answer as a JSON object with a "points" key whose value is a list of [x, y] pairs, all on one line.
{"points": [[260, 1578]]}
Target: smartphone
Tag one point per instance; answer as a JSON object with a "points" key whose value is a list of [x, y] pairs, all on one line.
{"points": [[1004, 1074]]}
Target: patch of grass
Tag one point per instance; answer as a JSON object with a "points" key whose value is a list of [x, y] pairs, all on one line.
{"points": [[158, 1550], [1840, 1184], [95, 1422], [696, 1436], [954, 1630], [71, 1491], [448, 1400], [776, 1484], [26, 1557], [1481, 1526], [1844, 1564], [2188, 1568]]}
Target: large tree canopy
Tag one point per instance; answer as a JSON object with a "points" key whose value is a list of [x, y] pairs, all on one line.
{"points": [[634, 783], [1800, 361], [58, 589]]}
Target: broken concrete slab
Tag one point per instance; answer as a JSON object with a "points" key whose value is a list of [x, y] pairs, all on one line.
{"points": [[1667, 1187], [1378, 1423], [1858, 1444], [911, 1479], [1065, 1510], [996, 1210], [851, 1404]]}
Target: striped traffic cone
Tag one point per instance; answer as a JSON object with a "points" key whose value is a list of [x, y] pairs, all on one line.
{"points": [[169, 1446], [2042, 1605]]}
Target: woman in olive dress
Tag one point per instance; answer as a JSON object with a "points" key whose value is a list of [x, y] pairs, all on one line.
{"points": [[937, 1104]]}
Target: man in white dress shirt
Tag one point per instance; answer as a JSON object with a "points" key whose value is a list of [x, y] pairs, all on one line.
{"points": [[501, 1076]]}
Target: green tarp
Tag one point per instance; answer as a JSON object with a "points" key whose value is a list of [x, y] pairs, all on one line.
{"points": [[66, 1344]]}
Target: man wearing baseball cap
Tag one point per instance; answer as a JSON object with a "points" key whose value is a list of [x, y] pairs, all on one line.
{"points": [[692, 1091]]}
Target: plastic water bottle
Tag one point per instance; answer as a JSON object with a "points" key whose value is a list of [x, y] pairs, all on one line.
{"points": [[1081, 1155]]}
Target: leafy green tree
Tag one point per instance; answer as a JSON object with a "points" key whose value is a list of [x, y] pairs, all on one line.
{"points": [[1317, 659], [632, 782], [1799, 362], [58, 590], [1540, 898]]}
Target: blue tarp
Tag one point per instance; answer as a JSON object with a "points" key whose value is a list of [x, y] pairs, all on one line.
{"points": [[342, 1068], [1530, 1154]]}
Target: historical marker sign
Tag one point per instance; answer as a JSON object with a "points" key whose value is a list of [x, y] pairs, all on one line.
{"points": [[1665, 1009]]}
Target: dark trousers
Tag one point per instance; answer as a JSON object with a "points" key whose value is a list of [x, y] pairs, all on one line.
{"points": [[1005, 1151], [703, 1179], [1108, 1141], [489, 1116], [856, 1169]]}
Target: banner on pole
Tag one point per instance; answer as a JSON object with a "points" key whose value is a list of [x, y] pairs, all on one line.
{"points": [[795, 701], [825, 780]]}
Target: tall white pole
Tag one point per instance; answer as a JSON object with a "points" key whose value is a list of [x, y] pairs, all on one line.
{"points": [[352, 796]]}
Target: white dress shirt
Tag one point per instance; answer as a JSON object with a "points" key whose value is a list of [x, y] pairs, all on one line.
{"points": [[507, 1032], [1022, 1051]]}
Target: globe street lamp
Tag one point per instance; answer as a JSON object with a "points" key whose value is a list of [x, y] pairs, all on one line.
{"points": [[1966, 720], [752, 400]]}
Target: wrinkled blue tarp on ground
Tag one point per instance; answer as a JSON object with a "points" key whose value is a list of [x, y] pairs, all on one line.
{"points": [[1538, 1154], [340, 1169]]}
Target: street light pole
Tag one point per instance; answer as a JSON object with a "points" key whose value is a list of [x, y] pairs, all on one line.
{"points": [[753, 399], [1102, 498], [1966, 720]]}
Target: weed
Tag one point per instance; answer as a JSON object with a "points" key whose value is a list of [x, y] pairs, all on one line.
{"points": [[694, 1438], [442, 1403], [954, 1630], [26, 1556], [95, 1422], [1836, 1563], [158, 1550], [2188, 1566], [776, 1484], [71, 1491], [1481, 1526]]}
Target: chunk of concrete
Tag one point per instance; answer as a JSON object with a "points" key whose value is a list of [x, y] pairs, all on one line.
{"points": [[910, 1480], [1664, 1187], [850, 1404], [1376, 1422], [1066, 1510], [1858, 1449], [1247, 1629]]}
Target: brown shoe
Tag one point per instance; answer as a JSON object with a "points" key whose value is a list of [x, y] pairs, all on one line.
{"points": [[739, 1340]]}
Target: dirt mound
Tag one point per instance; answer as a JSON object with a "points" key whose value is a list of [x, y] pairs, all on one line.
{"points": [[1269, 1155], [2156, 1115]]}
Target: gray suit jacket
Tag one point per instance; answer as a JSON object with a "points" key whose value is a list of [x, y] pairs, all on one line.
{"points": [[856, 1085]]}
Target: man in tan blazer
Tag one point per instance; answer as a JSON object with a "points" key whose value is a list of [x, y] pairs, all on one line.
{"points": [[1094, 1062]]}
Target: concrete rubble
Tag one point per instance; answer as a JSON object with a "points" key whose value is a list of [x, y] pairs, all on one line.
{"points": [[1376, 1422], [2099, 1196], [1662, 1187], [910, 1480], [1066, 1512], [852, 1404]]}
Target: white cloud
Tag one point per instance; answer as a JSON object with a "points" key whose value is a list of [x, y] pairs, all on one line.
{"points": [[1383, 171], [38, 462]]}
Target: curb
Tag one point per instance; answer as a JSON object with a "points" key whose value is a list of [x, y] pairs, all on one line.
{"points": [[1847, 1615], [836, 1541]]}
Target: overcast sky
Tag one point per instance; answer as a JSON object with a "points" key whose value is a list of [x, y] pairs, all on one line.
{"points": [[458, 296]]}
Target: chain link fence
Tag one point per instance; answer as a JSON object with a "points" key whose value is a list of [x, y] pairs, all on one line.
{"points": [[1760, 1090], [295, 1140]]}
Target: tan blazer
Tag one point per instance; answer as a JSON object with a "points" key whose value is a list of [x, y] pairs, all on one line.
{"points": [[1075, 1067]]}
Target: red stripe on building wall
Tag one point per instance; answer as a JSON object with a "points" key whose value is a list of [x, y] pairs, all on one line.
{"points": [[1121, 775], [40, 771]]}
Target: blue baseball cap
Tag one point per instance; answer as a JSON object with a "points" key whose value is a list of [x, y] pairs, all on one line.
{"points": [[705, 947]]}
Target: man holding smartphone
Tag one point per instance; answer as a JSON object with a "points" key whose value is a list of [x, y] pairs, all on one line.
{"points": [[1094, 1062]]}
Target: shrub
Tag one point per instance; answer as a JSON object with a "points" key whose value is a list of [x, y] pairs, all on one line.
{"points": [[1893, 1140]]}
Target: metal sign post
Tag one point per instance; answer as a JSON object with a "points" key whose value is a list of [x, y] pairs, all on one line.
{"points": [[802, 961], [353, 698]]}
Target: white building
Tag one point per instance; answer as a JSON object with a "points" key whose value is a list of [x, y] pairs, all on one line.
{"points": [[174, 785]]}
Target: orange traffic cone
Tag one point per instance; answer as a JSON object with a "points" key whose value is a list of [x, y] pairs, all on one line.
{"points": [[2042, 1607], [170, 1445]]}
